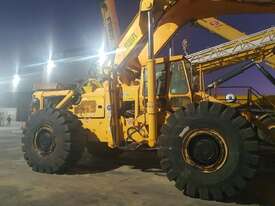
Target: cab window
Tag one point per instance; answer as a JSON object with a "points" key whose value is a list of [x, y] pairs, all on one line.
{"points": [[160, 80], [178, 83]]}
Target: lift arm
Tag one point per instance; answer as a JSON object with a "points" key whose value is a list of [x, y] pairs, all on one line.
{"points": [[135, 37], [227, 32]]}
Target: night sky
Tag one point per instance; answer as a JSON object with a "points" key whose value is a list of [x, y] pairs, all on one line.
{"points": [[29, 28]]}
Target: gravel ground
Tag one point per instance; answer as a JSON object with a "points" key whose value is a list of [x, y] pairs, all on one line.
{"points": [[134, 179]]}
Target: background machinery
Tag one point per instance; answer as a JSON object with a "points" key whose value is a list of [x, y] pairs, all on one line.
{"points": [[227, 32], [208, 144]]}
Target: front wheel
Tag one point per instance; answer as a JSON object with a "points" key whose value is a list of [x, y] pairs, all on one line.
{"points": [[209, 150], [53, 141]]}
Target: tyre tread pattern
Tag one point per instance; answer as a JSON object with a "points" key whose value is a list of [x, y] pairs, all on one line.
{"points": [[249, 159], [73, 141]]}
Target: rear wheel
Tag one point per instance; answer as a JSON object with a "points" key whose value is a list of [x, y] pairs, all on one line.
{"points": [[209, 150], [53, 141]]}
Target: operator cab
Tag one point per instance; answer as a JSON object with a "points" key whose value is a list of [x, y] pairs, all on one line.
{"points": [[174, 80]]}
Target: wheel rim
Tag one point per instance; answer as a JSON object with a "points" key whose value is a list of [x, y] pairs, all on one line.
{"points": [[44, 141], [205, 149]]}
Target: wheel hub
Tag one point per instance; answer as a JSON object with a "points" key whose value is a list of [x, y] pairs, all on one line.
{"points": [[44, 141], [205, 149]]}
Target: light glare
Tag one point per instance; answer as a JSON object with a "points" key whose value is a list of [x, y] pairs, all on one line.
{"points": [[15, 81], [102, 57], [50, 66]]}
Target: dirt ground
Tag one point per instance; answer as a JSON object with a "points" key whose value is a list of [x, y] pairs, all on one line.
{"points": [[133, 179]]}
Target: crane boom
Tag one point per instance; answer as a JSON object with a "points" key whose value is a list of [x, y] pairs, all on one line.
{"points": [[256, 46], [227, 32]]}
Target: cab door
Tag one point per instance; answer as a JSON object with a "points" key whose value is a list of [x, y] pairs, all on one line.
{"points": [[180, 79]]}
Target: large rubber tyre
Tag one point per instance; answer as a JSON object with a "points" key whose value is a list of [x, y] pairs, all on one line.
{"points": [[53, 141], [100, 149], [269, 122], [240, 164]]}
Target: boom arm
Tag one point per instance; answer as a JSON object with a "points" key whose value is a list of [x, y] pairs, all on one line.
{"points": [[184, 11]]}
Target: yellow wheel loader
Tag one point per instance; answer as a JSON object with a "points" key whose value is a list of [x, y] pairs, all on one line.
{"points": [[209, 144]]}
